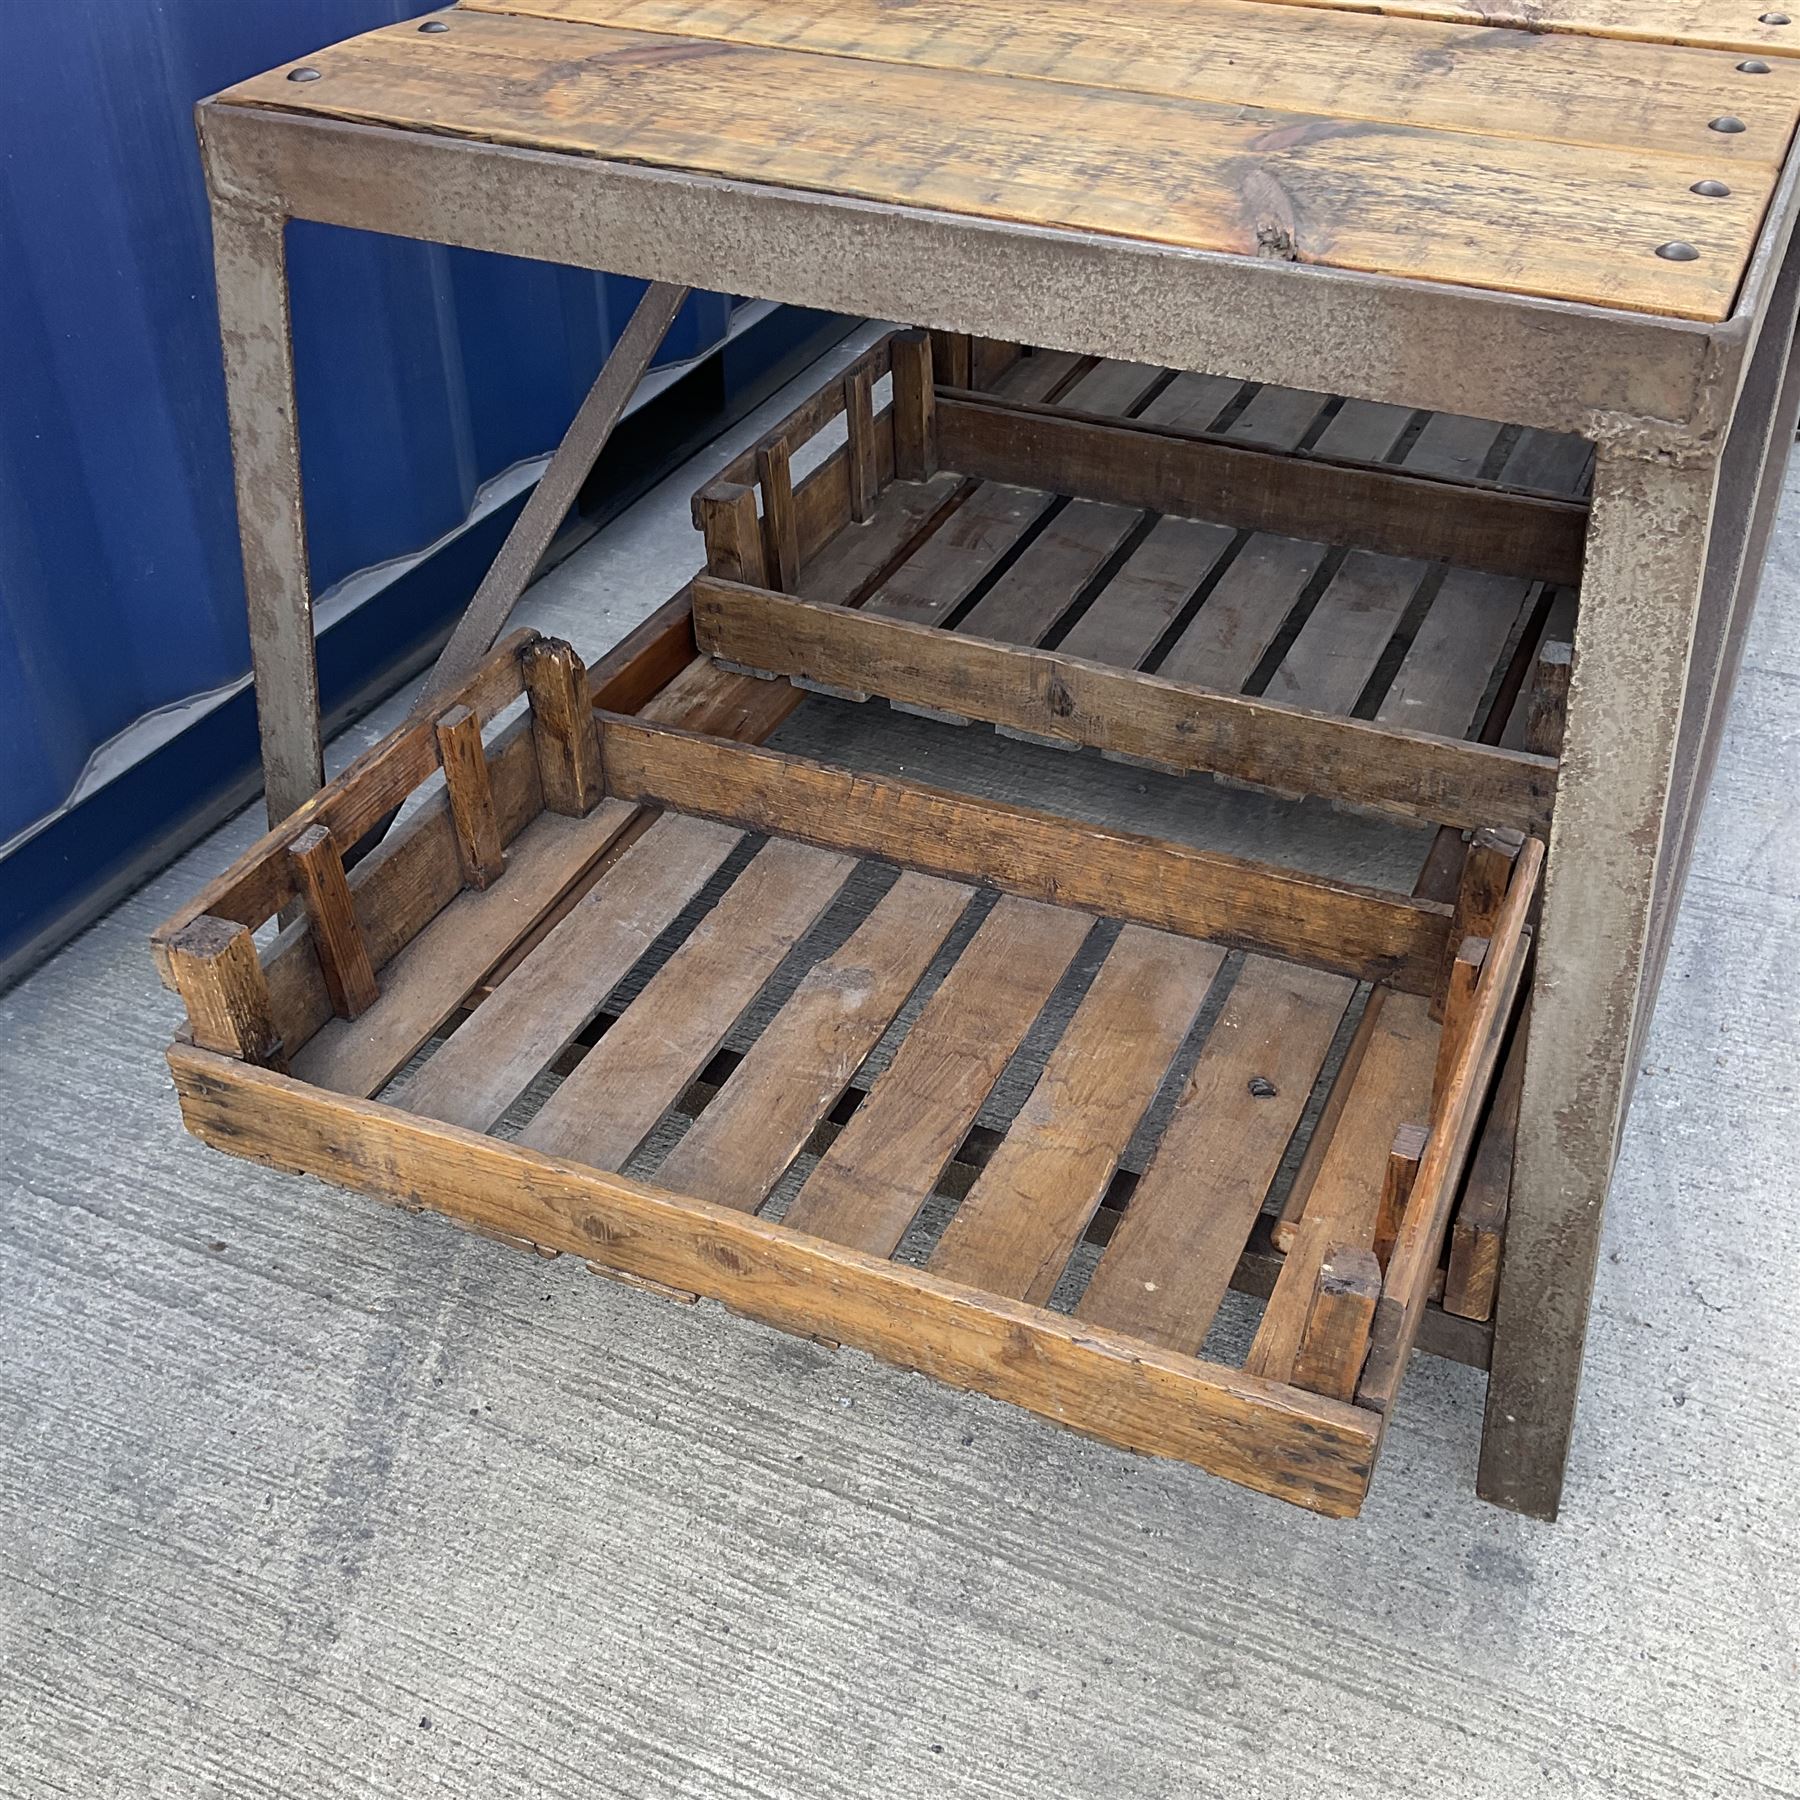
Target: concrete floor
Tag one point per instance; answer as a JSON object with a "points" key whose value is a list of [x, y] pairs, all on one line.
{"points": [[301, 1496]]}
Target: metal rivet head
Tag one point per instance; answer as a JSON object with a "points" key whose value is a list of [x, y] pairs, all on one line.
{"points": [[1753, 65], [1713, 190], [303, 74], [1262, 1087], [434, 26], [1677, 251], [1773, 18], [1726, 122]]}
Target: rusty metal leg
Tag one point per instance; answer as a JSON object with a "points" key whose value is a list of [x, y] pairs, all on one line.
{"points": [[250, 266], [1646, 561]]}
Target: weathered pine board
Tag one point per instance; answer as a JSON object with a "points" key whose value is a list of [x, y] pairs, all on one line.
{"points": [[1169, 1264], [737, 1150], [1315, 1452], [534, 1015], [1390, 1087], [870, 1183], [614, 1096], [1037, 856], [1528, 83], [1062, 698], [1557, 220], [1015, 1230]]}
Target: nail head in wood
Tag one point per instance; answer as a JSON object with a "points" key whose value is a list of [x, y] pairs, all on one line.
{"points": [[562, 724], [915, 408], [337, 936], [220, 979], [725, 511], [1711, 190], [468, 785], [1677, 251], [1335, 1341]]}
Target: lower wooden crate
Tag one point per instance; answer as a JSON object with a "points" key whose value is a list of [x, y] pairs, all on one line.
{"points": [[623, 895]]}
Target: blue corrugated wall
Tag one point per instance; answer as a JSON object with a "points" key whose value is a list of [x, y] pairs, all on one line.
{"points": [[422, 372]]}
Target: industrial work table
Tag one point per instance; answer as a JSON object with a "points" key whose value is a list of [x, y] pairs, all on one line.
{"points": [[1562, 230]]}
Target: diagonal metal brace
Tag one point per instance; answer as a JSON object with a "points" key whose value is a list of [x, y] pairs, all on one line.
{"points": [[479, 629]]}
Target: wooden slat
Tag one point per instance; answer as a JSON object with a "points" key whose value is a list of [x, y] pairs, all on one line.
{"points": [[1111, 386], [1363, 431], [756, 1125], [1277, 418], [214, 966], [1331, 660], [536, 1012], [905, 512], [613, 1098], [331, 917], [781, 531], [1445, 673], [1403, 1160], [1479, 1231], [1563, 221], [870, 1183], [1454, 1120], [1029, 1206], [1409, 512], [1060, 561], [562, 726], [1191, 402], [1129, 617], [1309, 1450], [859, 430], [914, 406], [262, 881], [939, 575], [469, 788], [1138, 880], [1336, 1337], [725, 513], [1049, 695], [1391, 1087], [1227, 638], [1397, 68], [1172, 1258]]}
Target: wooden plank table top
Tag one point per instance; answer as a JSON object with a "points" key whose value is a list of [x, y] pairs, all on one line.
{"points": [[1621, 157]]}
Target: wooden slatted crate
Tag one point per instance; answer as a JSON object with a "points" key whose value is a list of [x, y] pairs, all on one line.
{"points": [[1180, 993]]}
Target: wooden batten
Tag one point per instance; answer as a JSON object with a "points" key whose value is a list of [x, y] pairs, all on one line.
{"points": [[1405, 774], [1336, 925], [1455, 1117], [725, 511], [1194, 476], [337, 937], [781, 537], [1396, 1188], [220, 979], [471, 792], [1548, 709], [1458, 1010], [562, 719], [1487, 869], [916, 452], [263, 880], [1336, 1339], [1308, 1449], [1472, 1277], [951, 359], [859, 428]]}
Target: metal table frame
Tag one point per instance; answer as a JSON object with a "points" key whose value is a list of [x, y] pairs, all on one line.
{"points": [[1691, 425]]}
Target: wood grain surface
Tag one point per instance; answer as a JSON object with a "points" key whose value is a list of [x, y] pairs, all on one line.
{"points": [[1570, 221]]}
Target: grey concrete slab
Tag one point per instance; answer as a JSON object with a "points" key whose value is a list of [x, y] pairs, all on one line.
{"points": [[300, 1496]]}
